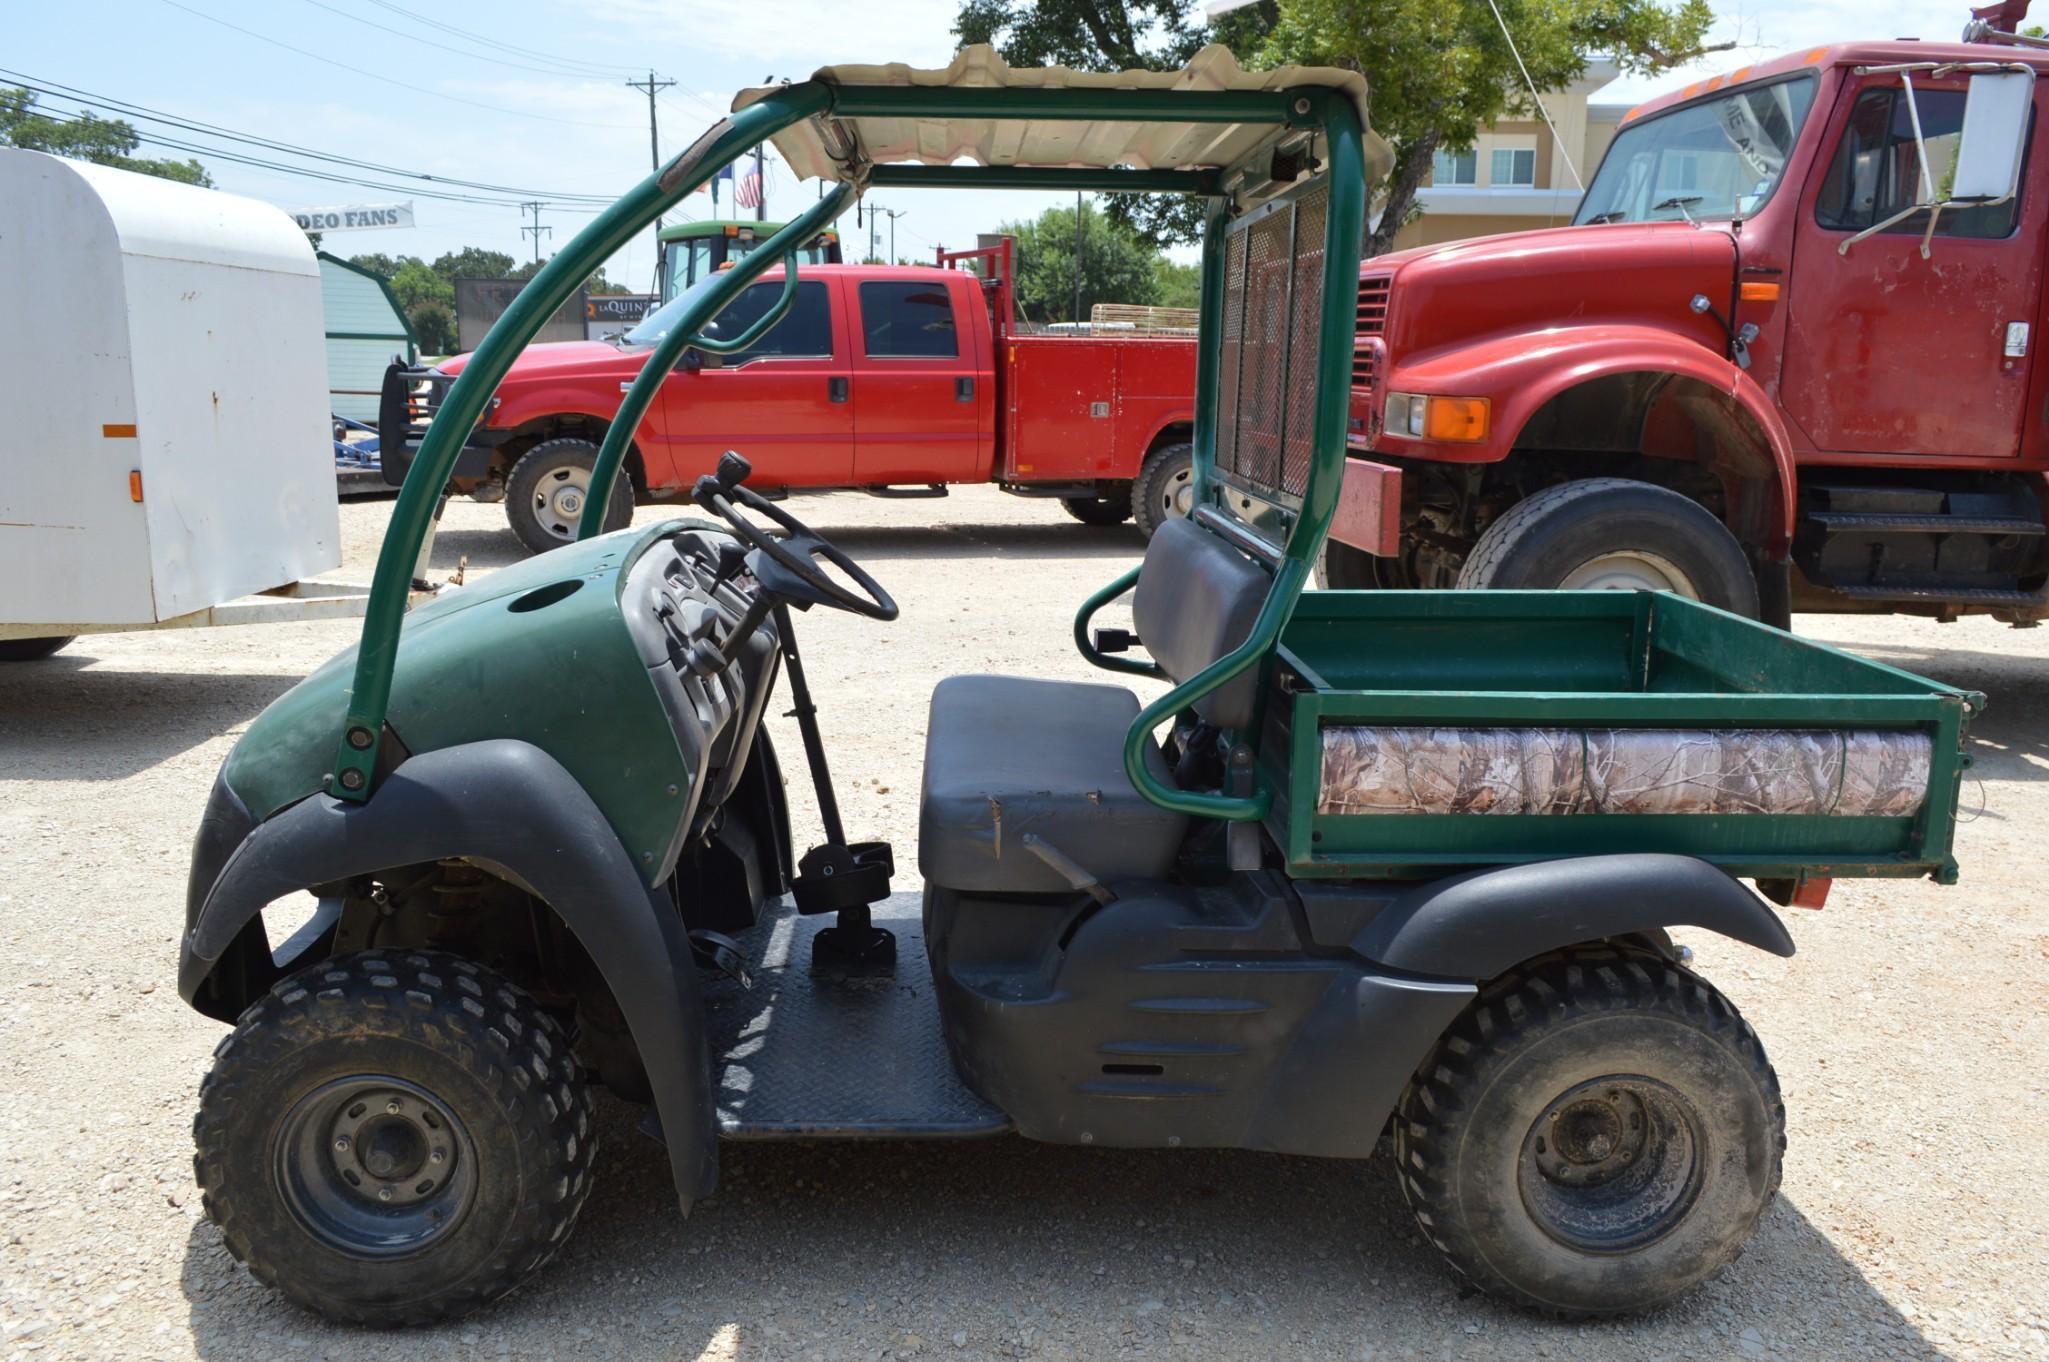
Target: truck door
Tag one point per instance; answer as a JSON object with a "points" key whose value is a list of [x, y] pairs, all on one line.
{"points": [[920, 387], [784, 402], [1887, 353]]}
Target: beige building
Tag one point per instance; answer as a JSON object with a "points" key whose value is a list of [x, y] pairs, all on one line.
{"points": [[1518, 175]]}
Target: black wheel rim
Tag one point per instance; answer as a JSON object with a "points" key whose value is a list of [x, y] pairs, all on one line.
{"points": [[1613, 1164], [374, 1167]]}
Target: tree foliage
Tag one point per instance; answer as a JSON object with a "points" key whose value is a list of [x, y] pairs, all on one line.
{"points": [[1438, 73], [1117, 265], [1176, 285], [426, 292], [86, 137]]}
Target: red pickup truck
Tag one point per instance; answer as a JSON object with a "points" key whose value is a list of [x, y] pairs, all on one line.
{"points": [[891, 379]]}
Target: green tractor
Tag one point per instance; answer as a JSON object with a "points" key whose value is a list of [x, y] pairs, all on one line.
{"points": [[1364, 864], [692, 250]]}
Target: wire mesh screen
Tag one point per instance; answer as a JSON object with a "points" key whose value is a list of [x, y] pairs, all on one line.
{"points": [[1232, 353], [1273, 296]]}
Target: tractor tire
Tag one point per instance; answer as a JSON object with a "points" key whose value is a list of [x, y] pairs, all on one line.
{"points": [[32, 649], [1098, 510], [394, 1137], [545, 492], [1164, 487], [1597, 1134], [1613, 533]]}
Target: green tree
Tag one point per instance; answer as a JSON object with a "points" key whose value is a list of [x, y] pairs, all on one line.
{"points": [[473, 262], [86, 137], [434, 325], [597, 283], [1116, 264], [383, 266], [1438, 73], [1177, 285], [414, 283]]}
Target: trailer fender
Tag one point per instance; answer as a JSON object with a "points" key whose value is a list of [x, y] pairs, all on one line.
{"points": [[512, 806], [1477, 925]]}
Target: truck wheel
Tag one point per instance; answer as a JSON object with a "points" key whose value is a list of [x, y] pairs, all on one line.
{"points": [[1098, 510], [1344, 568], [545, 492], [31, 649], [1613, 534], [394, 1138], [1597, 1134], [1165, 487]]}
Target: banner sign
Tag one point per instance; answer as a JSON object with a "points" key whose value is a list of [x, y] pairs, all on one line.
{"points": [[356, 218]]}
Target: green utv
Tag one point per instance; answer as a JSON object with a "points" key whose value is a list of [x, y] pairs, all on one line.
{"points": [[1369, 861]]}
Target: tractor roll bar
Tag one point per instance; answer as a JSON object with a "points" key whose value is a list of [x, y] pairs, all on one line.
{"points": [[1309, 107]]}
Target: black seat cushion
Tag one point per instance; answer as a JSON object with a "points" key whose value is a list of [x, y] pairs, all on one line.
{"points": [[1006, 756], [1196, 600]]}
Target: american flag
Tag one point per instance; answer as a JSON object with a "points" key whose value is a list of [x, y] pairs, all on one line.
{"points": [[748, 192]]}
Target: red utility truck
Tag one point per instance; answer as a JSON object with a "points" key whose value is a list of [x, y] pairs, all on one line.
{"points": [[1783, 360], [892, 379]]}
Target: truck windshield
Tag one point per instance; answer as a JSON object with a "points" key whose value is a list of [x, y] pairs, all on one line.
{"points": [[655, 324], [1719, 158]]}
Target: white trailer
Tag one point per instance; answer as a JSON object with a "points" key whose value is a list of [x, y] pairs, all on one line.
{"points": [[163, 369]]}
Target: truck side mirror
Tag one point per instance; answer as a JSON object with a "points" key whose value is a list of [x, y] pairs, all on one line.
{"points": [[1984, 161], [1995, 132]]}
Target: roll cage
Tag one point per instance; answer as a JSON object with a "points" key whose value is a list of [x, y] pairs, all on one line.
{"points": [[1282, 159]]}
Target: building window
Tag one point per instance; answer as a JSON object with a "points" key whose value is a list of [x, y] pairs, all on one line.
{"points": [[1456, 167], [1515, 166]]}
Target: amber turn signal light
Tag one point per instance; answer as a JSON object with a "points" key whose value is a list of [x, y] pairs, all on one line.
{"points": [[1459, 419], [1760, 293]]}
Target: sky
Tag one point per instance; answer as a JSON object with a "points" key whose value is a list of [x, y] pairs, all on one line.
{"points": [[541, 108]]}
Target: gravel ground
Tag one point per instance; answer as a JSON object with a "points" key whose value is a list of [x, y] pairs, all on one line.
{"points": [[1908, 1033]]}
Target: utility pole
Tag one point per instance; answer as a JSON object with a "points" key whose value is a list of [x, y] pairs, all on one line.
{"points": [[1078, 258], [537, 230], [875, 210], [894, 214], [760, 184], [654, 154]]}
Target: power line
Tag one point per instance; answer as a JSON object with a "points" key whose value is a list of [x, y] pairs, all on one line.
{"points": [[57, 89], [302, 172], [553, 70], [598, 68], [329, 61]]}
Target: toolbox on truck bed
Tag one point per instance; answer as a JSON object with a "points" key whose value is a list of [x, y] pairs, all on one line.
{"points": [[1490, 728]]}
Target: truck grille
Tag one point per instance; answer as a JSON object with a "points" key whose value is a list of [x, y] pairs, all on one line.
{"points": [[1373, 292], [1362, 365]]}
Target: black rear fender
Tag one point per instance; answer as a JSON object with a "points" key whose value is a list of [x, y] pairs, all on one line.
{"points": [[501, 803], [1477, 925]]}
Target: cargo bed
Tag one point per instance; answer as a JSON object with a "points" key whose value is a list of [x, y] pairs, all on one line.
{"points": [[1411, 732]]}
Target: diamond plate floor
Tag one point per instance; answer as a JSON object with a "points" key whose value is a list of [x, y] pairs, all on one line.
{"points": [[798, 1057]]}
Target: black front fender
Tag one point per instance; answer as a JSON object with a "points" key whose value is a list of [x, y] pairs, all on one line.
{"points": [[512, 805], [1477, 925]]}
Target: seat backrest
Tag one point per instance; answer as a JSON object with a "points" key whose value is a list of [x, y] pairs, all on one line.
{"points": [[1195, 601]]}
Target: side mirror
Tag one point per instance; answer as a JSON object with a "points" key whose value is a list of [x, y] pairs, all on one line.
{"points": [[1995, 132], [1983, 160]]}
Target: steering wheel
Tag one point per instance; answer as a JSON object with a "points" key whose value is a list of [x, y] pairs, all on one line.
{"points": [[789, 566]]}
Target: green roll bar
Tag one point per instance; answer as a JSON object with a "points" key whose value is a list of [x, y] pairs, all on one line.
{"points": [[370, 695], [686, 334]]}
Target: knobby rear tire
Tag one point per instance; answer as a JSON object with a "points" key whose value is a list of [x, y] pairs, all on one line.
{"points": [[1563, 1036]]}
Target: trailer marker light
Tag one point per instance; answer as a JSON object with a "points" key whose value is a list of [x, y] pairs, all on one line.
{"points": [[1462, 419], [135, 484], [118, 432], [1760, 293]]}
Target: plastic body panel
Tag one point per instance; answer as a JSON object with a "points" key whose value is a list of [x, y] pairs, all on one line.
{"points": [[1177, 1017], [1580, 659], [170, 332], [509, 805], [566, 677]]}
